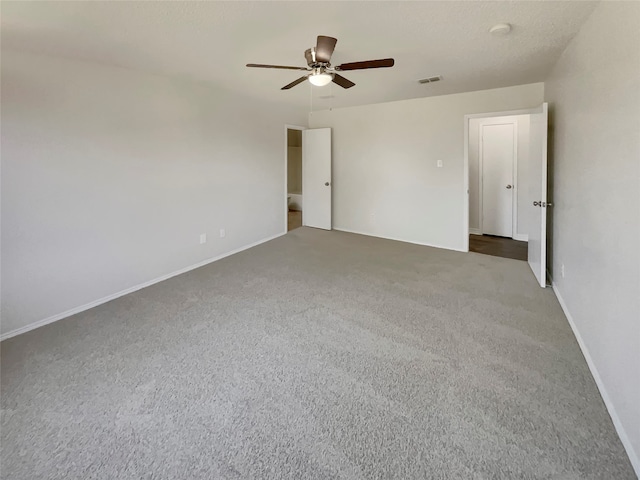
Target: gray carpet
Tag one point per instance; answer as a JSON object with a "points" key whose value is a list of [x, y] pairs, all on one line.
{"points": [[318, 355]]}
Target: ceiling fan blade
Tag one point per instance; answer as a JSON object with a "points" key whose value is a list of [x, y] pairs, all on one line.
{"points": [[343, 82], [258, 65], [324, 48], [384, 63], [294, 83]]}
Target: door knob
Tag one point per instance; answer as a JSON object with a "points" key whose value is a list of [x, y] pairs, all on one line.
{"points": [[537, 204], [326, 184], [508, 186]]}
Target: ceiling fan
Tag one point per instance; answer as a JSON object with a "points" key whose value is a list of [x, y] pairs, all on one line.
{"points": [[319, 67]]}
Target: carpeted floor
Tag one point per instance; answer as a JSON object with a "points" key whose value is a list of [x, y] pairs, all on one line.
{"points": [[318, 355]]}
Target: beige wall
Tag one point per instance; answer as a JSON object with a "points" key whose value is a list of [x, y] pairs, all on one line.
{"points": [[594, 96], [294, 161], [110, 175]]}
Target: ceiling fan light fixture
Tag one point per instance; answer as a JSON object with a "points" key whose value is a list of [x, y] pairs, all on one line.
{"points": [[320, 79]]}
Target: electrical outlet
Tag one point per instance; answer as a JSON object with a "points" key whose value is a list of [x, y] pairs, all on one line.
{"points": [[222, 233], [439, 163], [203, 238], [562, 270]]}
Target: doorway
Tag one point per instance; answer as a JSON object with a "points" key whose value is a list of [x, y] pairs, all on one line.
{"points": [[505, 167], [294, 194], [308, 185], [498, 156], [495, 206]]}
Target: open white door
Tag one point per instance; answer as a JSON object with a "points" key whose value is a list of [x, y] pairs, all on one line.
{"points": [[538, 193], [316, 178]]}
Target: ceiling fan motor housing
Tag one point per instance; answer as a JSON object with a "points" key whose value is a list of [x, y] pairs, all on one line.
{"points": [[310, 56]]}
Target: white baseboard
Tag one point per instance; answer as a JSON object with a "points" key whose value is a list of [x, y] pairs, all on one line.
{"points": [[474, 231], [522, 237], [95, 303], [633, 457], [397, 239]]}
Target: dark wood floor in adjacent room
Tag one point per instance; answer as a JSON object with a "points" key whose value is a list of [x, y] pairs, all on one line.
{"points": [[294, 220], [498, 246]]}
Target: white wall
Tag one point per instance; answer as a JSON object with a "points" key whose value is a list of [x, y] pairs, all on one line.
{"points": [[109, 176], [385, 179], [522, 122], [594, 95], [296, 202]]}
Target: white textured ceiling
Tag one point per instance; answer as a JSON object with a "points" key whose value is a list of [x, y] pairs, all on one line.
{"points": [[212, 41]]}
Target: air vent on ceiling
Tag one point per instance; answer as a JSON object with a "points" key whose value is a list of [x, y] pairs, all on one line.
{"points": [[437, 78]]}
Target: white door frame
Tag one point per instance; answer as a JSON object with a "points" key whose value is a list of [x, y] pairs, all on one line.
{"points": [[286, 172], [465, 170], [514, 166]]}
